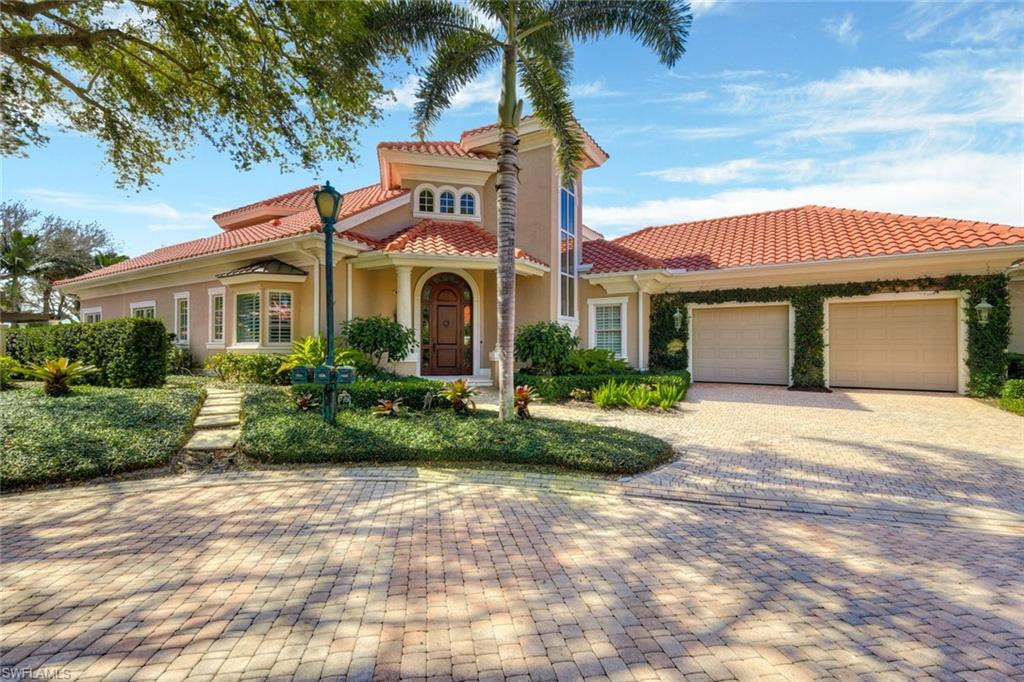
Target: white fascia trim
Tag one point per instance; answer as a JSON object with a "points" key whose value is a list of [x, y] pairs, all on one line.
{"points": [[371, 213], [247, 279], [623, 303], [379, 259]]}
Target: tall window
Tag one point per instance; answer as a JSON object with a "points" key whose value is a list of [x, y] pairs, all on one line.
{"points": [[247, 318], [467, 204], [279, 326], [567, 258], [426, 201], [447, 202], [181, 319], [608, 328], [217, 318]]}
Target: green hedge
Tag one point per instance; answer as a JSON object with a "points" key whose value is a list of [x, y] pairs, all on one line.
{"points": [[556, 388], [366, 393], [274, 432], [130, 352], [986, 344], [95, 431]]}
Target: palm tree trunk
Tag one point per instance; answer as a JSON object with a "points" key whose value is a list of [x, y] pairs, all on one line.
{"points": [[508, 200]]}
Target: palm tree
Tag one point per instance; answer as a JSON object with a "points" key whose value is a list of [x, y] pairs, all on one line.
{"points": [[18, 253], [532, 41]]}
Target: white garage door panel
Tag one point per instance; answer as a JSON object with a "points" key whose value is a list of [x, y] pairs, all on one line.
{"points": [[747, 345], [894, 344]]}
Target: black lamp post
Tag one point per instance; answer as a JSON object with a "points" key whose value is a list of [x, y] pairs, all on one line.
{"points": [[328, 203]]}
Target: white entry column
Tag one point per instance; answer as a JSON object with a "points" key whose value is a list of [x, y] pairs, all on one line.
{"points": [[403, 296]]}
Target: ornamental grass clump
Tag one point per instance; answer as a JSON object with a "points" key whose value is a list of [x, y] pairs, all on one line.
{"points": [[58, 375]]}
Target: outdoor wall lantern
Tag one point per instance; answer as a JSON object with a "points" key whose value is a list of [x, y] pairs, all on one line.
{"points": [[983, 309], [677, 319]]}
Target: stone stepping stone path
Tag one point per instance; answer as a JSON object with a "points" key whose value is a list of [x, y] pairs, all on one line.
{"points": [[217, 423]]}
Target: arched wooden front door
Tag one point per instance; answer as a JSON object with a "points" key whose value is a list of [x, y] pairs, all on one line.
{"points": [[446, 327]]}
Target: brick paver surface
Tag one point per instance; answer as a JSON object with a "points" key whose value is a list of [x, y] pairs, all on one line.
{"points": [[868, 447], [300, 579]]}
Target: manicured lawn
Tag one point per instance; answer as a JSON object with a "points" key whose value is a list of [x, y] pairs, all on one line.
{"points": [[273, 431], [92, 432]]}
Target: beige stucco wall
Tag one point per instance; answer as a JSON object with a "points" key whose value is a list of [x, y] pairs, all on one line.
{"points": [[590, 292], [1017, 316]]}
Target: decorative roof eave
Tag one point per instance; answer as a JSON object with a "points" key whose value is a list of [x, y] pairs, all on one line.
{"points": [[660, 280], [383, 259], [488, 136], [271, 270], [387, 157]]}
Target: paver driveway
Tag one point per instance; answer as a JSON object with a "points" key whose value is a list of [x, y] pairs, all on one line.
{"points": [[289, 578], [897, 449]]}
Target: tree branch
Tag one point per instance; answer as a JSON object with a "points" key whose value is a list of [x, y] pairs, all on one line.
{"points": [[27, 10]]}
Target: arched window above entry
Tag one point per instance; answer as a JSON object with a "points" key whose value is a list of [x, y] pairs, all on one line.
{"points": [[447, 204], [467, 204], [426, 201]]}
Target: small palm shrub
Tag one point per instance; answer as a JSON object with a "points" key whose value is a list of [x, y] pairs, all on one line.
{"points": [[522, 398], [310, 351], [639, 396], [8, 368], [667, 395], [387, 408], [610, 394], [595, 361], [58, 375], [459, 395]]}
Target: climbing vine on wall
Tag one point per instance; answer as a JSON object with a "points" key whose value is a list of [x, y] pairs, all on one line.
{"points": [[986, 344]]}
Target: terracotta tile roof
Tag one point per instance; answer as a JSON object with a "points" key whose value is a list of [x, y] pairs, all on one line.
{"points": [[492, 126], [299, 223], [809, 233], [299, 198], [606, 256], [439, 148], [448, 239]]}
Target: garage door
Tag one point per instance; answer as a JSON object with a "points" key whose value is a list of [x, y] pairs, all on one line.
{"points": [[748, 345], [909, 345]]}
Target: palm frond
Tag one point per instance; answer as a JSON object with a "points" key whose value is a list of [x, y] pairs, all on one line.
{"points": [[546, 84], [457, 60], [662, 25], [395, 25]]}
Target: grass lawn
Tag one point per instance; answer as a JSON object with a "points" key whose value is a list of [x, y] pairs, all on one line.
{"points": [[273, 431], [92, 432]]}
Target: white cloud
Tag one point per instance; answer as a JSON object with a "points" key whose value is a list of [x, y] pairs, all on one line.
{"points": [[736, 170], [592, 89], [708, 133], [164, 217], [964, 184], [842, 29], [485, 89], [961, 23], [703, 7], [682, 98]]}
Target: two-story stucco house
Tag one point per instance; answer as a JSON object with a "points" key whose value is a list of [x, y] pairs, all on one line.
{"points": [[419, 246]]}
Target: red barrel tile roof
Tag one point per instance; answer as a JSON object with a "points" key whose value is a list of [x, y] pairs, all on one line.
{"points": [[304, 221], [448, 239], [492, 126], [809, 233], [440, 148]]}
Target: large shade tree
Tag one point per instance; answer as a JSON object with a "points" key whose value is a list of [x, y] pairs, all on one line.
{"points": [[262, 80], [531, 41]]}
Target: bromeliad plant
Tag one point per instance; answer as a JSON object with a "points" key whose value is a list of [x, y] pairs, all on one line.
{"points": [[306, 401], [58, 375], [387, 408], [524, 395], [459, 395]]}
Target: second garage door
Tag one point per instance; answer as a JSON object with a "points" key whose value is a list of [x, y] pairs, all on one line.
{"points": [[905, 344], [747, 345]]}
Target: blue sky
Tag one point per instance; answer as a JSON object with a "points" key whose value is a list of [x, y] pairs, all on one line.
{"points": [[906, 107]]}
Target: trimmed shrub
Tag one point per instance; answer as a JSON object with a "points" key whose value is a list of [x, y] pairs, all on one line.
{"points": [[379, 337], [248, 368], [1015, 366], [367, 393], [8, 368], [130, 352], [1012, 397], [595, 361], [545, 346], [556, 388]]}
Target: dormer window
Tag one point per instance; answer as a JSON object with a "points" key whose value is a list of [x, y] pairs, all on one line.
{"points": [[447, 202], [426, 201], [467, 204], [450, 202]]}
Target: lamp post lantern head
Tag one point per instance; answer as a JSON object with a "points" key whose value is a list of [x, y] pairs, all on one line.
{"points": [[328, 202], [677, 319], [983, 309]]}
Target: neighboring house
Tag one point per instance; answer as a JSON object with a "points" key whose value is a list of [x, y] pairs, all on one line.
{"points": [[419, 247]]}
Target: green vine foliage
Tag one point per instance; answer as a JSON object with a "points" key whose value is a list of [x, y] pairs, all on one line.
{"points": [[986, 344]]}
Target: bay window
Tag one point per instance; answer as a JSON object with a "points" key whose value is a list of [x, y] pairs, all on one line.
{"points": [[247, 318], [279, 322]]}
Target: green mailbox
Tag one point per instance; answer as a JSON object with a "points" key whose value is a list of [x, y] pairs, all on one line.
{"points": [[345, 375], [303, 374], [323, 374]]}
